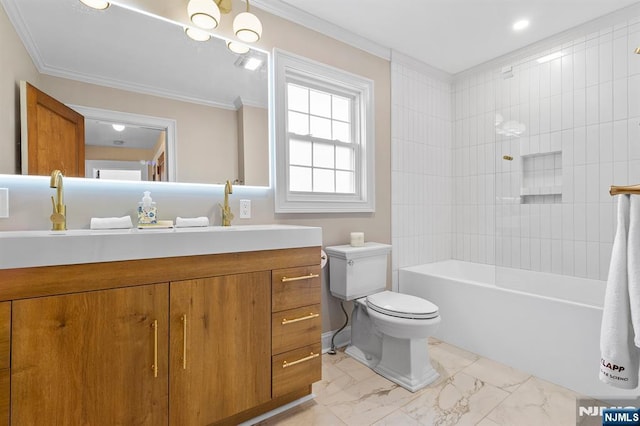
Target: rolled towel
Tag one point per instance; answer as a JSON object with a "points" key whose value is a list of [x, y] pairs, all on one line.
{"points": [[123, 222], [189, 222]]}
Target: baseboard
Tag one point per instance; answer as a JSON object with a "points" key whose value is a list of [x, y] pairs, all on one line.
{"points": [[342, 339]]}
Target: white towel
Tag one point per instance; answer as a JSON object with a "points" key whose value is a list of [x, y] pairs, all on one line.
{"points": [[619, 355], [633, 262], [123, 222], [188, 222]]}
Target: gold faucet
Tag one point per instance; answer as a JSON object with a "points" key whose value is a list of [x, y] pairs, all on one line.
{"points": [[59, 215], [227, 216]]}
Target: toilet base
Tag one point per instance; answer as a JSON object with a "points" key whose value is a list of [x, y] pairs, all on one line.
{"points": [[404, 361]]}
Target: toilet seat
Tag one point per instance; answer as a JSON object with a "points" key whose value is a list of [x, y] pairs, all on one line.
{"points": [[402, 305]]}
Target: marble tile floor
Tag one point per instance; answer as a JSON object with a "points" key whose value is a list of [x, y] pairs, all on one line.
{"points": [[471, 390]]}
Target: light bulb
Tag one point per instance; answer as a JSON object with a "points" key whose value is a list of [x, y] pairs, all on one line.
{"points": [[247, 27], [204, 13]]}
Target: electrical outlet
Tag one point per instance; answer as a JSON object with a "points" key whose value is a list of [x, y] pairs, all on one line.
{"points": [[245, 209], [4, 202]]}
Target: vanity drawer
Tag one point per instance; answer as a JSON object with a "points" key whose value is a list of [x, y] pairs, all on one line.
{"points": [[295, 369], [295, 287], [5, 334], [294, 328]]}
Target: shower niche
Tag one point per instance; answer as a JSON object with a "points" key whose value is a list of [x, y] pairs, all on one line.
{"points": [[541, 178]]}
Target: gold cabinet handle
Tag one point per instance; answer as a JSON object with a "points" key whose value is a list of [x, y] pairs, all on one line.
{"points": [[308, 317], [304, 277], [286, 364], [154, 367], [184, 341]]}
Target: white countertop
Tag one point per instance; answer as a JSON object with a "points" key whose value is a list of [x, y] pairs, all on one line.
{"points": [[23, 249]]}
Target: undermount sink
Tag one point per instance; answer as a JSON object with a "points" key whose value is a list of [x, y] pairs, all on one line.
{"points": [[22, 249]]}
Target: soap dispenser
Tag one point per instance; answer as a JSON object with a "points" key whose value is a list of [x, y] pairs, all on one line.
{"points": [[147, 211]]}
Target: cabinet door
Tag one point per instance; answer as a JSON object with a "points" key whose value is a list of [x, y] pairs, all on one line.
{"points": [[90, 358], [224, 365]]}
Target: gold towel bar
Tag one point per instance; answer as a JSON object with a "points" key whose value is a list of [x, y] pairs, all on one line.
{"points": [[304, 277], [632, 189], [286, 364]]}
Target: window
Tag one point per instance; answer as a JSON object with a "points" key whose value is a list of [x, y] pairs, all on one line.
{"points": [[324, 138]]}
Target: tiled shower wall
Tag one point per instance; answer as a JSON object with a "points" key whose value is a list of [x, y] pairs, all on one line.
{"points": [[574, 120], [581, 112], [421, 164]]}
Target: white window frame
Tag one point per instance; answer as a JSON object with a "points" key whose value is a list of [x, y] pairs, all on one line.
{"points": [[286, 67]]}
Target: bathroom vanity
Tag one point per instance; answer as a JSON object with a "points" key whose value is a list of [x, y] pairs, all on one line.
{"points": [[202, 335]]}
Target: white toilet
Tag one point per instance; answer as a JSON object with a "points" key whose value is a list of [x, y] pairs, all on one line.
{"points": [[389, 330]]}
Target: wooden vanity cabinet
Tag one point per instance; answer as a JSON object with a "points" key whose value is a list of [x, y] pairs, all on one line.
{"points": [[220, 344], [182, 341], [91, 358]]}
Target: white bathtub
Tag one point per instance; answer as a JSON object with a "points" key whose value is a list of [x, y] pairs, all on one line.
{"points": [[544, 324]]}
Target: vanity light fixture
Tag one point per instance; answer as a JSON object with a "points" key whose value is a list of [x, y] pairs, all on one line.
{"points": [[118, 127], [205, 14], [197, 34], [247, 27], [96, 4], [237, 47]]}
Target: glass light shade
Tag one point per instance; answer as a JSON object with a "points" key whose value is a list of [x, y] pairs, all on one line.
{"points": [[96, 4], [236, 47], [204, 13], [197, 34], [247, 27]]}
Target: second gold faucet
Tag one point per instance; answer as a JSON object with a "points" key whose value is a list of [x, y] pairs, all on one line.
{"points": [[59, 215], [227, 215]]}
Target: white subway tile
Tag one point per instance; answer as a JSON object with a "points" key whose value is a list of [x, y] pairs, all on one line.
{"points": [[593, 260], [606, 101], [592, 104], [580, 259], [620, 144]]}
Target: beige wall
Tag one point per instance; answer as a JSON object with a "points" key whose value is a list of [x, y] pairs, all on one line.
{"points": [[15, 65], [277, 33], [253, 145]]}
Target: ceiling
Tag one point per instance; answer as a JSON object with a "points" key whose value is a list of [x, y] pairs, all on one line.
{"points": [[451, 35]]}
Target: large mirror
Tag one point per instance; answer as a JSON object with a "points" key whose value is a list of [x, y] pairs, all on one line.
{"points": [[121, 61]]}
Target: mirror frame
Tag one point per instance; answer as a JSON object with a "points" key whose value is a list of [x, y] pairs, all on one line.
{"points": [[127, 118]]}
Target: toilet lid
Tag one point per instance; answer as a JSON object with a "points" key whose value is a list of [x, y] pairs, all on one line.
{"points": [[402, 305]]}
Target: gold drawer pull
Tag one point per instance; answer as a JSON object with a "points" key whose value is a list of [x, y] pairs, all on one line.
{"points": [[286, 364], [154, 367], [304, 277], [308, 317], [184, 341]]}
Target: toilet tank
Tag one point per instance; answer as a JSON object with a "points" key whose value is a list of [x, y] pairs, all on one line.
{"points": [[357, 271]]}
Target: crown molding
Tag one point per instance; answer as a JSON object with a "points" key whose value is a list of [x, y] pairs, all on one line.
{"points": [[298, 16], [411, 62]]}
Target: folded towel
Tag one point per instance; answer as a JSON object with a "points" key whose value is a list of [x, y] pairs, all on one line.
{"points": [[619, 355], [123, 222], [187, 222]]}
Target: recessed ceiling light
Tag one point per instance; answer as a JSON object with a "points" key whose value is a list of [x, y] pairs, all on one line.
{"points": [[252, 64], [520, 25], [96, 4], [550, 57], [118, 127]]}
